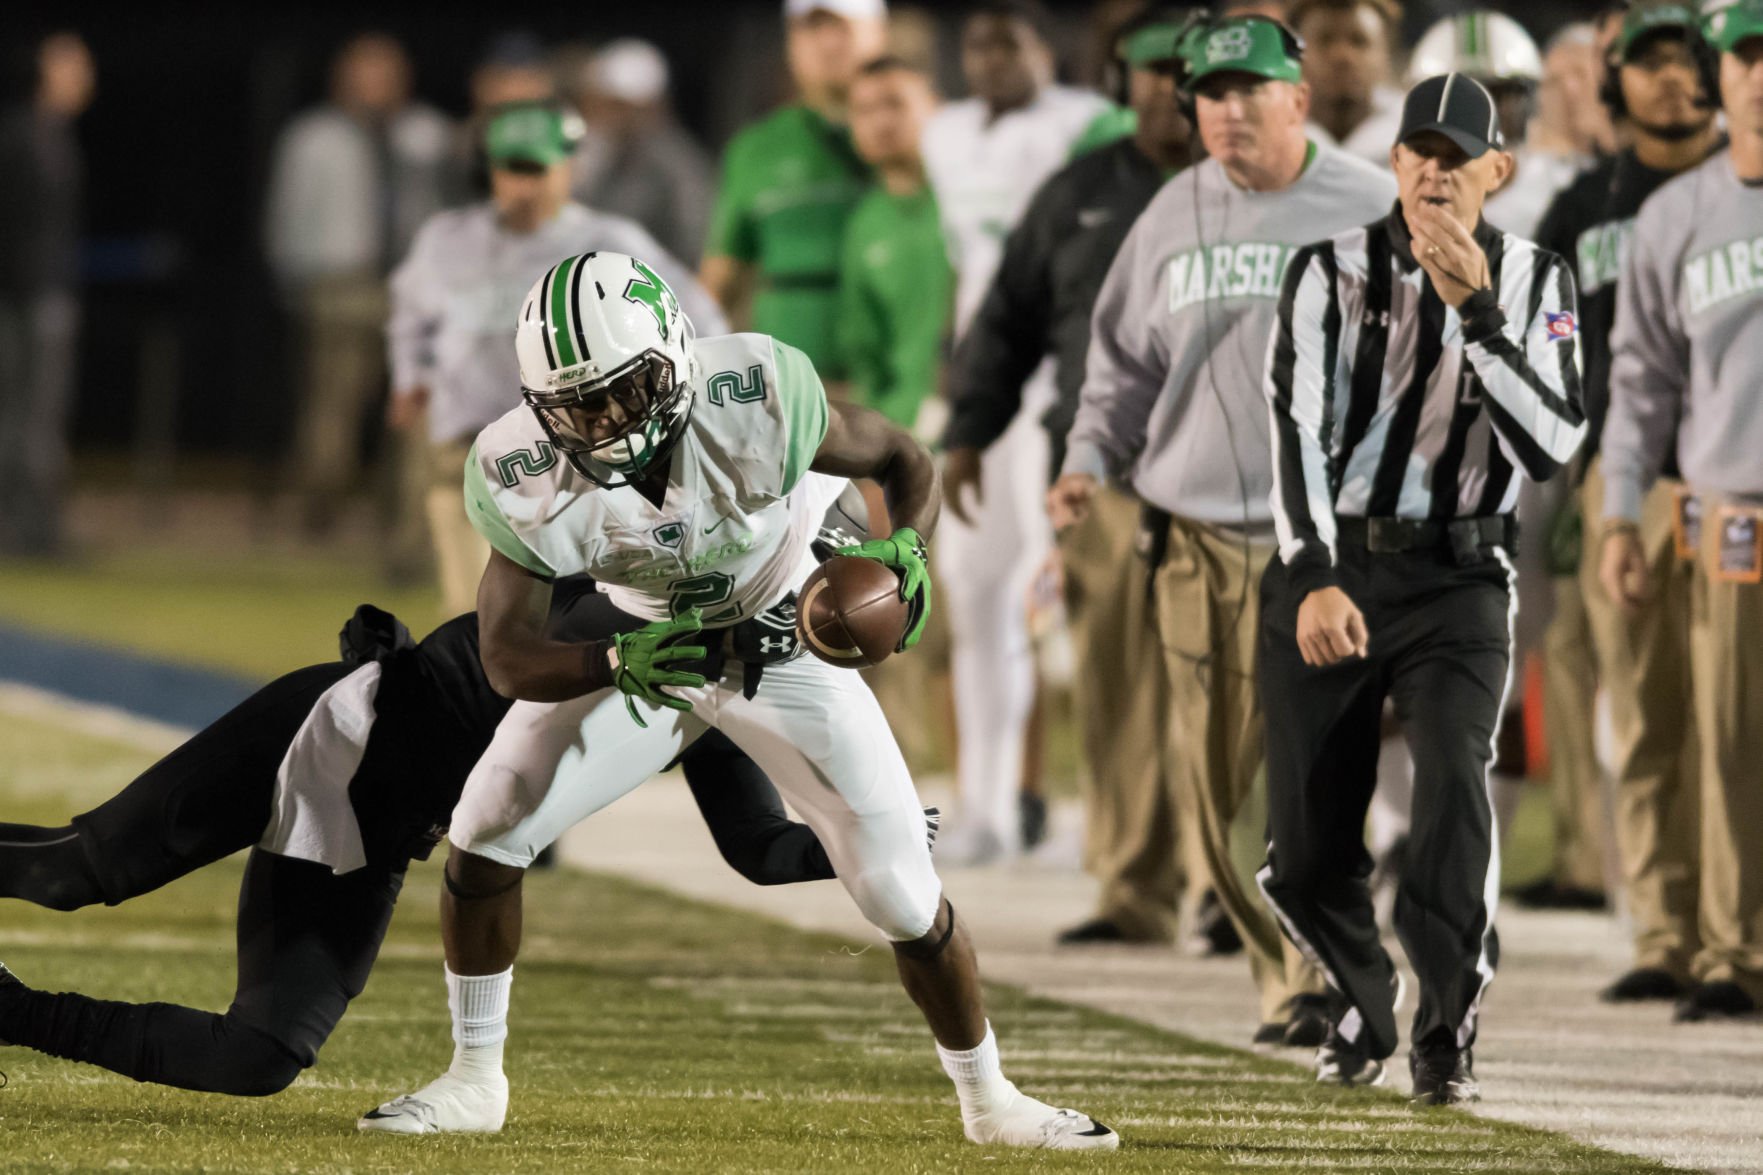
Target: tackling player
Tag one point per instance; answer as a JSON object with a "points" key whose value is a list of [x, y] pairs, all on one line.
{"points": [[339, 775], [687, 476]]}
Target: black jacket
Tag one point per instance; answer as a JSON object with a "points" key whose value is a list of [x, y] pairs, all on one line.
{"points": [[1053, 266], [1589, 225]]}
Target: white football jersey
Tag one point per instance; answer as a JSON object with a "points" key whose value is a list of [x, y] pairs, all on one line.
{"points": [[732, 534], [984, 172]]}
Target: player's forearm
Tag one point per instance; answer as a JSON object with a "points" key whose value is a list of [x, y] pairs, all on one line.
{"points": [[911, 485], [860, 442], [546, 670]]}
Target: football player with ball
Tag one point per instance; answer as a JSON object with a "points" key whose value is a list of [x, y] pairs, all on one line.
{"points": [[688, 477]]}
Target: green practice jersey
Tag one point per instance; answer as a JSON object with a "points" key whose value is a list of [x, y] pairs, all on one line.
{"points": [[895, 287], [789, 183]]}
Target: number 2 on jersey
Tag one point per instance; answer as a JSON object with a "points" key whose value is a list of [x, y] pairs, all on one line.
{"points": [[704, 591]]}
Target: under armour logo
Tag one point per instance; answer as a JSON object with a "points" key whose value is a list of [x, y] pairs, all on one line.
{"points": [[1377, 318], [776, 644]]}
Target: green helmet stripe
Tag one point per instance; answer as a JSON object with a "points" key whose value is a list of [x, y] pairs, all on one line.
{"points": [[557, 322]]}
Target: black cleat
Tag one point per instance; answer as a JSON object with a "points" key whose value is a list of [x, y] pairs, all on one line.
{"points": [[1347, 1062], [1214, 927], [1714, 1001], [1308, 1027], [11, 987], [1644, 983], [1273, 1032], [1547, 894], [1443, 1077], [933, 820], [1104, 930]]}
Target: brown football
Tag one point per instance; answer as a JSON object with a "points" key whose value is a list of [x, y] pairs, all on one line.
{"points": [[849, 612]]}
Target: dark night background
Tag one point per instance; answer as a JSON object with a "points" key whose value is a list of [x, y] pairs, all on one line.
{"points": [[191, 96]]}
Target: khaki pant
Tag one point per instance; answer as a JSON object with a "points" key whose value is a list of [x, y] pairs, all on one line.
{"points": [[1644, 667], [1208, 606], [1133, 832], [460, 551], [344, 320], [1726, 667], [1576, 785]]}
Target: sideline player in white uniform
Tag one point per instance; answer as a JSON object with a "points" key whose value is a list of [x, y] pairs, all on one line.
{"points": [[688, 478], [986, 156]]}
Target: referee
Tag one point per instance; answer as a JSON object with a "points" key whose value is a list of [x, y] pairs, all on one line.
{"points": [[1419, 366]]}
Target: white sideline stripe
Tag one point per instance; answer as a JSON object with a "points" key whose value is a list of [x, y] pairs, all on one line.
{"points": [[90, 718]]}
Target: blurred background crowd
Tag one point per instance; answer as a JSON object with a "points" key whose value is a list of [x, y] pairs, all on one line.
{"points": [[233, 248]]}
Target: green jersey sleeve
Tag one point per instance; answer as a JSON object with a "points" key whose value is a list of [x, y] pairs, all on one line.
{"points": [[802, 400], [734, 231], [858, 325], [488, 520]]}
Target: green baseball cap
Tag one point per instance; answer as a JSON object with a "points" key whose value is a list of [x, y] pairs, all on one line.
{"points": [[529, 133], [1737, 22], [1643, 20], [1246, 44], [1152, 43]]}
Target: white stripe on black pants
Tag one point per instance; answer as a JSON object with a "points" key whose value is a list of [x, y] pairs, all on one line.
{"points": [[1440, 643]]}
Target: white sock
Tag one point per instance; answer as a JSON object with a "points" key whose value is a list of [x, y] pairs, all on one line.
{"points": [[479, 1004], [977, 1074]]}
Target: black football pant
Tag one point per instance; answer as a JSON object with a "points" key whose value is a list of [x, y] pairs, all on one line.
{"points": [[1439, 648], [307, 938]]}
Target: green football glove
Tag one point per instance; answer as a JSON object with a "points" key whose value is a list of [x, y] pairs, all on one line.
{"points": [[640, 662], [903, 553]]}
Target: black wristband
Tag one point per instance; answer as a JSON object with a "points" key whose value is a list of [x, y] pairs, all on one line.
{"points": [[1482, 316]]}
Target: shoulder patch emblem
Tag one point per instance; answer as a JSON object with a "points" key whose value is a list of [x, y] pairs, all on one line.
{"points": [[1560, 326]]}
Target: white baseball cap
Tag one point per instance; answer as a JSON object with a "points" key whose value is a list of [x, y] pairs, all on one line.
{"points": [[849, 9], [630, 70]]}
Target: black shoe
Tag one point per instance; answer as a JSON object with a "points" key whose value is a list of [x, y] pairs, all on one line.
{"points": [[1214, 927], [1102, 930], [11, 987], [1643, 983], [1032, 811], [1714, 1001], [1272, 1032], [1343, 1062], [1443, 1077], [933, 820], [1547, 895], [1308, 1027]]}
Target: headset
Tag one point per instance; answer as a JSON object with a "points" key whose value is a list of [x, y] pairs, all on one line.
{"points": [[1116, 73], [1707, 61], [1203, 26], [1205, 663]]}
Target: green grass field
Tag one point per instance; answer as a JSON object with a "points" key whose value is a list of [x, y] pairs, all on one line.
{"points": [[655, 1034]]}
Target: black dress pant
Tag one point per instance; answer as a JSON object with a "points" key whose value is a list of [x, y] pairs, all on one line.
{"points": [[1439, 648]]}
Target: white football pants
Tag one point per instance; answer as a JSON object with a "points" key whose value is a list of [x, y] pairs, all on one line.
{"points": [[985, 572], [814, 729]]}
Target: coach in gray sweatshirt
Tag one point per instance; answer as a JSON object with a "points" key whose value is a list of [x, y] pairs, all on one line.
{"points": [[1688, 337], [1171, 407]]}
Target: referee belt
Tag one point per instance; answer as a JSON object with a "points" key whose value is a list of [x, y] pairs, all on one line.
{"points": [[1464, 538]]}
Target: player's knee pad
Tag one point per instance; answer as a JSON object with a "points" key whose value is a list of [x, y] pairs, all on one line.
{"points": [[901, 900]]}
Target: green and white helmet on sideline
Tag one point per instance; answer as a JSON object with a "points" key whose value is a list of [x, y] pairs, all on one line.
{"points": [[1488, 46], [606, 363]]}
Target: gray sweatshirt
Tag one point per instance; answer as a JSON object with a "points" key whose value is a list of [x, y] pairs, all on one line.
{"points": [[1687, 341], [1172, 399], [457, 295]]}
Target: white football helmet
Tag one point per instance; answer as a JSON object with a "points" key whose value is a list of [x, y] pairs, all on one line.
{"points": [[1488, 46], [606, 362]]}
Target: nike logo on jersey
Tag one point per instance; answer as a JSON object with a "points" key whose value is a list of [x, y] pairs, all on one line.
{"points": [[712, 528]]}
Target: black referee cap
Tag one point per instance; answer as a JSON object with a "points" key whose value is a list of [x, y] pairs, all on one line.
{"points": [[1457, 107]]}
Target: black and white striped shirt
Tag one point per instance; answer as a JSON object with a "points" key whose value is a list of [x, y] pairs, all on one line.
{"points": [[1386, 403]]}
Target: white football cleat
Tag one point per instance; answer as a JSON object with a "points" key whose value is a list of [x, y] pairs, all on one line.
{"points": [[446, 1105], [1025, 1122]]}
